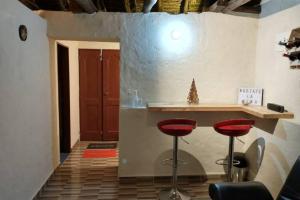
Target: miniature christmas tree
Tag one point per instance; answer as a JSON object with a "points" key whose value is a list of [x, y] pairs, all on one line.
{"points": [[193, 96]]}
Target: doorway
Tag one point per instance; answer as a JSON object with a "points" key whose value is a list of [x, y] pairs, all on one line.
{"points": [[63, 101], [99, 91]]}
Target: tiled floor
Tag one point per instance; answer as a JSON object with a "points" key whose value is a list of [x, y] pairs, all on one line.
{"points": [[85, 178]]}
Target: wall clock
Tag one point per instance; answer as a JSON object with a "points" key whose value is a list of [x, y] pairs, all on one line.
{"points": [[23, 32]]}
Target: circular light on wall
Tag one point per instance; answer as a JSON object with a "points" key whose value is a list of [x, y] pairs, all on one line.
{"points": [[176, 34], [175, 38]]}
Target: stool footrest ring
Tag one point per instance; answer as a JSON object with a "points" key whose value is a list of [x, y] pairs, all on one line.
{"points": [[225, 162]]}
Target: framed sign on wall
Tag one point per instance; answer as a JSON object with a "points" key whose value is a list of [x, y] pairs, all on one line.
{"points": [[251, 96]]}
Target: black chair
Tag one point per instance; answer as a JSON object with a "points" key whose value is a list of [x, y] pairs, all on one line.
{"points": [[256, 190]]}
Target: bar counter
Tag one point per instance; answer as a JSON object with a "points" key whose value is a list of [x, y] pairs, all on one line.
{"points": [[142, 147], [257, 111]]}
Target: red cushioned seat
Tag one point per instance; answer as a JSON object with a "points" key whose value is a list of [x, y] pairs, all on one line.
{"points": [[235, 127], [177, 127]]}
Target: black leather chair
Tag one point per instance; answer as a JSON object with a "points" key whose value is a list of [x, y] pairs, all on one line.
{"points": [[256, 190]]}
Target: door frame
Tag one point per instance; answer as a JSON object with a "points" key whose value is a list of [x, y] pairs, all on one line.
{"points": [[63, 89]]}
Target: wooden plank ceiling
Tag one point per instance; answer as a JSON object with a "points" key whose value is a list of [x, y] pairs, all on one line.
{"points": [[132, 6]]}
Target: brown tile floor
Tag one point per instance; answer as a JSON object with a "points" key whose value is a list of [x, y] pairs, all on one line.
{"points": [[82, 178]]}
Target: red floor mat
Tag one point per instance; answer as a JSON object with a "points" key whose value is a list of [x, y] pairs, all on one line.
{"points": [[99, 153]]}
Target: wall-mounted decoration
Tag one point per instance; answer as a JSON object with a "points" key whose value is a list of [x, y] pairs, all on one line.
{"points": [[293, 41], [23, 32], [251, 96], [293, 56], [193, 95], [293, 48], [295, 66]]}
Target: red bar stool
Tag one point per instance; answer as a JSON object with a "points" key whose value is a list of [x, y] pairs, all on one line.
{"points": [[233, 128], [176, 128]]}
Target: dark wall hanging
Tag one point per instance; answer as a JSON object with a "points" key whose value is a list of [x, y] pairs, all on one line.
{"points": [[293, 48], [23, 32]]}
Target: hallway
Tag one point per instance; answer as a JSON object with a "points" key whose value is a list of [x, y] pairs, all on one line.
{"points": [[90, 178]]}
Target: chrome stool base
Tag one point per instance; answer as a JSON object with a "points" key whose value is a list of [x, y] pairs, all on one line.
{"points": [[171, 194]]}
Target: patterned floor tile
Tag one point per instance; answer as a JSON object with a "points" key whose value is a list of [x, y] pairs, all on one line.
{"points": [[97, 179]]}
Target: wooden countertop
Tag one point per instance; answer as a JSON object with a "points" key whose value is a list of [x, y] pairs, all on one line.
{"points": [[258, 111]]}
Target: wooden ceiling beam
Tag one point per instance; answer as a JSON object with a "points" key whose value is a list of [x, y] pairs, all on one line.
{"points": [[127, 6], [234, 4], [103, 5], [100, 5], [87, 5], [74, 7], [186, 6], [130, 6], [159, 6], [30, 4], [218, 6]]}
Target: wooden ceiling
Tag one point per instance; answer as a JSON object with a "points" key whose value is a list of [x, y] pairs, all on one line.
{"points": [[132, 6]]}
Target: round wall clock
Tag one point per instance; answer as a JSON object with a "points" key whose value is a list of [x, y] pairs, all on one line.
{"points": [[23, 32]]}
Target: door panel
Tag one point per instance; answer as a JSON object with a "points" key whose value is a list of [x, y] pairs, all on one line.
{"points": [[92, 117], [90, 77], [111, 97]]}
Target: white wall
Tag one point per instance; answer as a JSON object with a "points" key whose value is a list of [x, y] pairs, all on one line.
{"points": [[25, 104], [162, 69], [155, 65], [225, 53], [281, 86], [217, 50]]}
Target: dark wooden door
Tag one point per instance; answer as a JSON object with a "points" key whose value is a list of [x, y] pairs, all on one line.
{"points": [[63, 98], [111, 94], [90, 84]]}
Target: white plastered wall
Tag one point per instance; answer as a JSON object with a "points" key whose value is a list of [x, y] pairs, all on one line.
{"points": [[281, 148], [224, 58], [25, 103], [282, 86], [214, 55], [162, 71]]}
